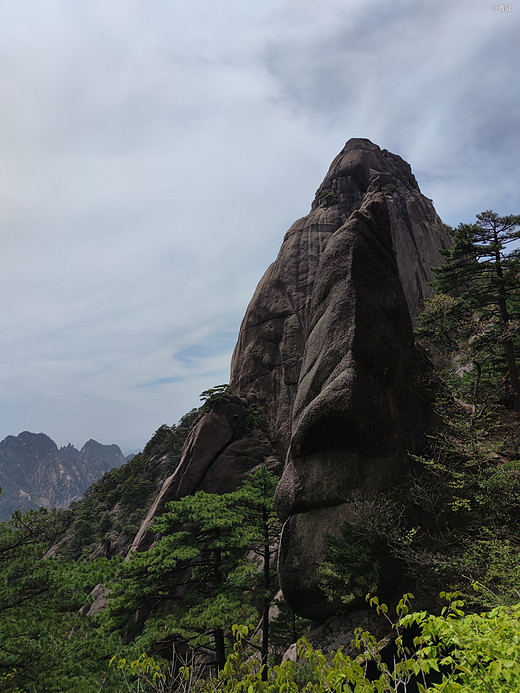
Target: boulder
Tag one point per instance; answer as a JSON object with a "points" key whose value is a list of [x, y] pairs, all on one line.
{"points": [[219, 452], [99, 597]]}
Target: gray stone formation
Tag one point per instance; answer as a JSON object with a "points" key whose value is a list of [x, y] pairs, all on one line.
{"points": [[326, 354], [358, 409]]}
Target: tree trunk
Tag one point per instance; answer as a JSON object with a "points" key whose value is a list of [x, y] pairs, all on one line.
{"points": [[220, 648], [266, 600]]}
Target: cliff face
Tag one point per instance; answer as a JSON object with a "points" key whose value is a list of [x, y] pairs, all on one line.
{"points": [[34, 472], [358, 409], [267, 360], [326, 354]]}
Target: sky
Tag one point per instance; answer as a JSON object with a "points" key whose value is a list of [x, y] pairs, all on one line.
{"points": [[154, 152]]}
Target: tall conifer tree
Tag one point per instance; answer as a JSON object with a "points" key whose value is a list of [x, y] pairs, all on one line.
{"points": [[209, 569], [482, 271]]}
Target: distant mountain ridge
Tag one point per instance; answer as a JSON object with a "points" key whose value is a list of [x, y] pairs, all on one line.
{"points": [[34, 472]]}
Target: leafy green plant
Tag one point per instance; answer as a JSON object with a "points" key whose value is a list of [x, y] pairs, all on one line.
{"points": [[144, 674], [328, 197], [6, 682], [449, 653]]}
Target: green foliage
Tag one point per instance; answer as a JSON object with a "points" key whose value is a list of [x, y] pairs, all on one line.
{"points": [[116, 505], [143, 672], [452, 652], [464, 494], [6, 682], [351, 564], [328, 198], [463, 508], [453, 520], [285, 628], [499, 492], [200, 575], [467, 346], [349, 568], [214, 394], [473, 315], [44, 643]]}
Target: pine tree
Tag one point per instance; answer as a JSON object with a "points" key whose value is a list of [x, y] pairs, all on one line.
{"points": [[39, 603], [201, 576], [481, 276], [255, 501]]}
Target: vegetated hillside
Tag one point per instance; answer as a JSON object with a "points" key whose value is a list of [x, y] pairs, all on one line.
{"points": [[466, 483], [34, 472], [106, 520]]}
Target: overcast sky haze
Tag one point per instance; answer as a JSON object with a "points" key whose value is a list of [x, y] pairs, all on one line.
{"points": [[154, 152]]}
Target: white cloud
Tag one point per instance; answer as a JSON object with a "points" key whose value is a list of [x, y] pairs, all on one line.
{"points": [[153, 155]]}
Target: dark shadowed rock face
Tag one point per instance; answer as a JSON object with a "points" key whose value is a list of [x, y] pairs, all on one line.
{"points": [[34, 472], [358, 410]]}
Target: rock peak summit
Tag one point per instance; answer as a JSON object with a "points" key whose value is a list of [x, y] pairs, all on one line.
{"points": [[267, 359]]}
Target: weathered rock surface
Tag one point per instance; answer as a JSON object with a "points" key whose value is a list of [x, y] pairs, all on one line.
{"points": [[219, 453], [326, 351], [358, 410], [99, 597], [267, 360], [35, 473]]}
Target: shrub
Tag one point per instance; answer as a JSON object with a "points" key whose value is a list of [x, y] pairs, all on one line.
{"points": [[453, 652]]}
